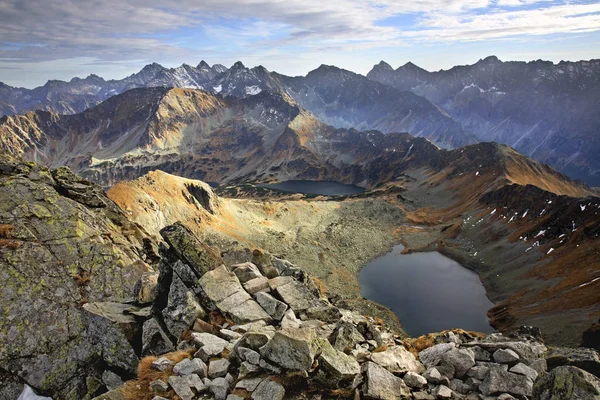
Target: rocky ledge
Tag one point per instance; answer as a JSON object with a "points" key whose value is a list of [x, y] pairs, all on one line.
{"points": [[260, 329]]}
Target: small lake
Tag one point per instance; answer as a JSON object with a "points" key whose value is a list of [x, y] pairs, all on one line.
{"points": [[327, 188], [428, 292]]}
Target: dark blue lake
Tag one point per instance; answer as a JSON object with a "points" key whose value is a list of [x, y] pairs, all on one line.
{"points": [[428, 292], [328, 188]]}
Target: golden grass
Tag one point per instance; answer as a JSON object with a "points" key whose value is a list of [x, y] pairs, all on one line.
{"points": [[139, 388]]}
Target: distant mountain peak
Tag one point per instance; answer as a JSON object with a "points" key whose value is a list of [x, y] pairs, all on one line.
{"points": [[489, 60], [238, 65], [384, 66], [219, 68], [203, 65]]}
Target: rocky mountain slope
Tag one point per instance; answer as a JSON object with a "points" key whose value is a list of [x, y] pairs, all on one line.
{"points": [[544, 110]]}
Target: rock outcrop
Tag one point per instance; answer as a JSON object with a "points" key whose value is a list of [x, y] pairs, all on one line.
{"points": [[66, 252]]}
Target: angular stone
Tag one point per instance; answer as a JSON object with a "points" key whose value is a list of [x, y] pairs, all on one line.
{"points": [[345, 336], [442, 392], [336, 369], [505, 356], [268, 389], [246, 272], [219, 388], [246, 354], [461, 359], [327, 313], [481, 354], [154, 340], [181, 386], [247, 369], [289, 320], [383, 385], [111, 380], [145, 288], [182, 309], [111, 395], [567, 382], [423, 396], [586, 359], [414, 380], [219, 284], [204, 339], [218, 368], [499, 381], [188, 367], [478, 372], [196, 383], [162, 364], [248, 311], [433, 376], [249, 384], [159, 386], [523, 369], [275, 308], [274, 283], [431, 356], [459, 386], [292, 349], [397, 359], [256, 285], [297, 296]]}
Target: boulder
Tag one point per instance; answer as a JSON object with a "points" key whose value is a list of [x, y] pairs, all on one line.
{"points": [[293, 349], [263, 262], [256, 285], [144, 291], [461, 359], [414, 380], [188, 367], [210, 345], [154, 340], [184, 244], [297, 296], [275, 308], [397, 359], [431, 356], [345, 336], [181, 386], [505, 356], [218, 368], [246, 354], [268, 389], [499, 381], [381, 384], [325, 313], [219, 387], [182, 308], [246, 272], [567, 382], [584, 358], [523, 369], [336, 369]]}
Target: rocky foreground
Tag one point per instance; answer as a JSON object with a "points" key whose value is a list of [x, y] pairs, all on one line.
{"points": [[259, 329]]}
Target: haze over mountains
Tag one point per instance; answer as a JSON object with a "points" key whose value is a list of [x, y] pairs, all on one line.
{"points": [[542, 109]]}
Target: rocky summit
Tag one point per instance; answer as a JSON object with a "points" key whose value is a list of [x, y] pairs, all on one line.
{"points": [[95, 308]]}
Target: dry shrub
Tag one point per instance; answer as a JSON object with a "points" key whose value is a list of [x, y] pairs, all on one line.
{"points": [[6, 231], [139, 389], [10, 244], [381, 348], [321, 286]]}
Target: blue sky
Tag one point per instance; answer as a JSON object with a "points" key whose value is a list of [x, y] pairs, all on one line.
{"points": [[59, 39]]}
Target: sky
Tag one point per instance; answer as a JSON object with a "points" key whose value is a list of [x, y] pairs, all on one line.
{"points": [[60, 39]]}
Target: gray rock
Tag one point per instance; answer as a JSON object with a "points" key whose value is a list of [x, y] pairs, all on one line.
{"points": [[210, 345], [422, 396], [481, 354], [499, 381], [527, 351], [275, 308], [539, 365], [289, 320], [447, 370], [196, 383], [442, 392], [433, 376], [229, 335], [584, 358], [181, 386], [159, 398], [292, 349], [324, 313], [567, 382], [247, 369], [461, 359], [189, 367], [397, 359], [182, 309], [154, 340], [505, 356], [219, 388], [218, 368], [414, 380], [257, 285], [506, 396], [345, 336], [268, 389], [478, 372], [431, 356], [111, 395], [336, 369], [145, 289], [459, 386], [246, 272], [162, 364], [383, 385], [246, 354], [297, 296], [234, 397], [523, 369], [159, 386], [111, 380], [249, 384], [273, 369]]}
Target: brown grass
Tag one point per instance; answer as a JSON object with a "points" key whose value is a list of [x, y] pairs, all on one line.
{"points": [[10, 244], [423, 342], [6, 231], [381, 348], [139, 389]]}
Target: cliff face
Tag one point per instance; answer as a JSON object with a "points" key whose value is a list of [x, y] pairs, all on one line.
{"points": [[63, 244]]}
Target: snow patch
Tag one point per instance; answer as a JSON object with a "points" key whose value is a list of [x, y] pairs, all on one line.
{"points": [[218, 89], [253, 90]]}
